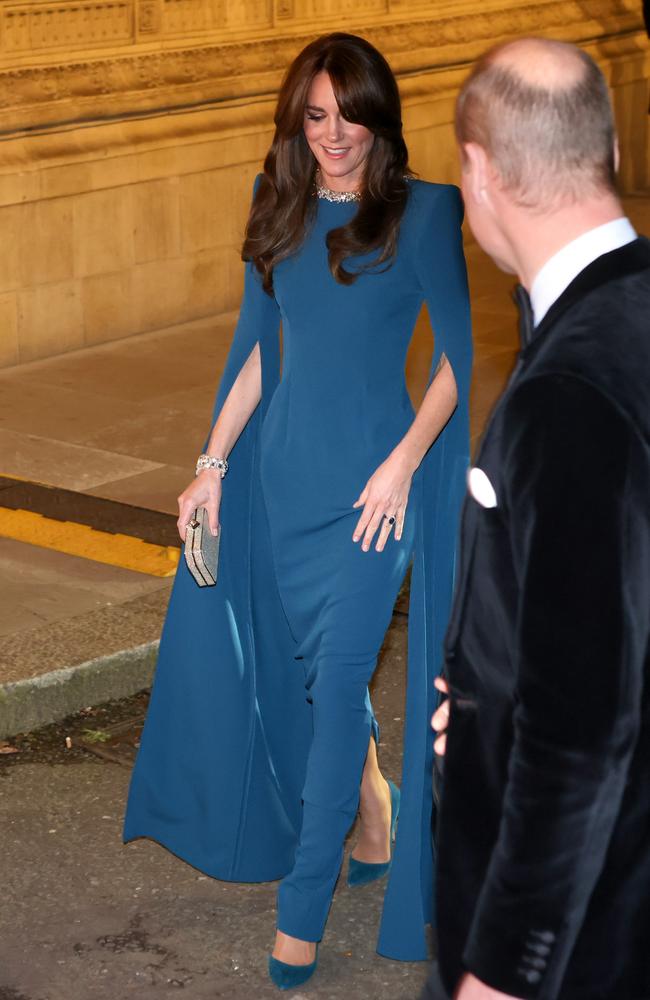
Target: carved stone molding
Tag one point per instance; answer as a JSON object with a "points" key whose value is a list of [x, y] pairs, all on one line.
{"points": [[28, 28], [149, 17], [142, 82]]}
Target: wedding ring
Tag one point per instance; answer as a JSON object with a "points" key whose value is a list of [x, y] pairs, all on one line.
{"points": [[390, 518]]}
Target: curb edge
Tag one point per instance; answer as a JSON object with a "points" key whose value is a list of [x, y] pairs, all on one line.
{"points": [[37, 701]]}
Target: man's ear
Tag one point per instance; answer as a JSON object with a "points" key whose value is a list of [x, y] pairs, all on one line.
{"points": [[476, 170], [617, 155]]}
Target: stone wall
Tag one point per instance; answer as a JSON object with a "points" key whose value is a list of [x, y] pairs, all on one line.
{"points": [[131, 130]]}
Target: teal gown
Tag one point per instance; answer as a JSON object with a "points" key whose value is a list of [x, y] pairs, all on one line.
{"points": [[259, 718]]}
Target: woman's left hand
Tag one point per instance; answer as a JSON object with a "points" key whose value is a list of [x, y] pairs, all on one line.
{"points": [[384, 496]]}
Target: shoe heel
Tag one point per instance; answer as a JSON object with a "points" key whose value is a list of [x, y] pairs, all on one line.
{"points": [[395, 801], [364, 872], [288, 977]]}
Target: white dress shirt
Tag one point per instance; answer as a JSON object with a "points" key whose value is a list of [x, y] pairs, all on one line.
{"points": [[559, 271]]}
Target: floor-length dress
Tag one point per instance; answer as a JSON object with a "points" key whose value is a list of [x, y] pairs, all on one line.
{"points": [[247, 719]]}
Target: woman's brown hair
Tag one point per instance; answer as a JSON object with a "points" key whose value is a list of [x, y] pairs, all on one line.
{"points": [[367, 94]]}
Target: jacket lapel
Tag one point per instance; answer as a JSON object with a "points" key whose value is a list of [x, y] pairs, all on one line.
{"points": [[629, 259]]}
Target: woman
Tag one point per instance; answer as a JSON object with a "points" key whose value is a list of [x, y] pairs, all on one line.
{"points": [[260, 743]]}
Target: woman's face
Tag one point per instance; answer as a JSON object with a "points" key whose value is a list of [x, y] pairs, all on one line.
{"points": [[340, 147]]}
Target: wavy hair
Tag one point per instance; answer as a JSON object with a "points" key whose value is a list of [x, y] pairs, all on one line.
{"points": [[367, 94]]}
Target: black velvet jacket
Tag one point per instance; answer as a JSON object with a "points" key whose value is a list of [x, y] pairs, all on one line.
{"points": [[544, 826]]}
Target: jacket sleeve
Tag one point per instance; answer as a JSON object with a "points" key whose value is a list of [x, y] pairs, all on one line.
{"points": [[576, 499]]}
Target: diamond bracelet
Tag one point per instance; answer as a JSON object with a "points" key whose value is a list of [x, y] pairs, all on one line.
{"points": [[210, 462]]}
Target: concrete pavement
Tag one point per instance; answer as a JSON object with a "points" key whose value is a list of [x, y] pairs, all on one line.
{"points": [[84, 917], [124, 421]]}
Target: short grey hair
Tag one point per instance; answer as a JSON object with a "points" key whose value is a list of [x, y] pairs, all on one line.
{"points": [[549, 141]]}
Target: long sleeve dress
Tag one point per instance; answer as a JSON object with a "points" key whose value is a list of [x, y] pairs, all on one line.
{"points": [[259, 698]]}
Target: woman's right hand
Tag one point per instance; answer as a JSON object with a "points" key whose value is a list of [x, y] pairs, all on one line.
{"points": [[204, 491]]}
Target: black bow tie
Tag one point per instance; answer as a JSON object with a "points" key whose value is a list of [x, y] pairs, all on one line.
{"points": [[526, 321]]}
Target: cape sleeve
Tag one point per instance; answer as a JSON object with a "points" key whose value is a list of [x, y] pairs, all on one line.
{"points": [[258, 322], [440, 266], [217, 779]]}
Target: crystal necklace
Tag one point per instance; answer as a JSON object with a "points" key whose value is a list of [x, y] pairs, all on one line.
{"points": [[341, 197]]}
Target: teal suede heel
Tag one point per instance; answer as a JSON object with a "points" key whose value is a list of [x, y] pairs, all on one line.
{"points": [[363, 872], [287, 977]]}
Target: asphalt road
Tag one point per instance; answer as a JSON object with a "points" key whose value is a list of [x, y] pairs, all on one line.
{"points": [[83, 917]]}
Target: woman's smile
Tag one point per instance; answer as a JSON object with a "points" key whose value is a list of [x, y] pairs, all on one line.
{"points": [[340, 147], [336, 154]]}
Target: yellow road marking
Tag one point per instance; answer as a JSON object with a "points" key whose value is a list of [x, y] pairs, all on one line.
{"points": [[89, 543]]}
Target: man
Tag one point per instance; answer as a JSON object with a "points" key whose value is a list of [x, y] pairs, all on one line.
{"points": [[544, 828]]}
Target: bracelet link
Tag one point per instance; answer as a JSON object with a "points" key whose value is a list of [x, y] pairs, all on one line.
{"points": [[210, 462]]}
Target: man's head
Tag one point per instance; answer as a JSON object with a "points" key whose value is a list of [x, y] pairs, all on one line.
{"points": [[536, 132]]}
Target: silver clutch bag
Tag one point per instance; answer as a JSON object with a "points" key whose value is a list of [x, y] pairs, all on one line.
{"points": [[202, 549]]}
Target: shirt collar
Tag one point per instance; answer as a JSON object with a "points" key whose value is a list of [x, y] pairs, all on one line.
{"points": [[559, 271]]}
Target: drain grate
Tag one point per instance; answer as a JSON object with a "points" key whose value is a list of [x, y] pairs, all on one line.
{"points": [[118, 743], [110, 731]]}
